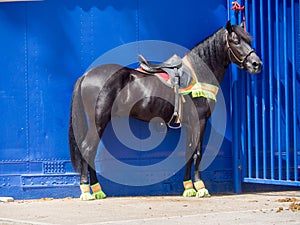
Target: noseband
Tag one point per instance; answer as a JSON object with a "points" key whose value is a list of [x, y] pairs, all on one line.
{"points": [[240, 62]]}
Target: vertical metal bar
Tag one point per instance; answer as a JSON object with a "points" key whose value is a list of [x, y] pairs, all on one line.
{"points": [[243, 118], [243, 125], [248, 100], [264, 130], [271, 74], [242, 109], [294, 90], [235, 118], [249, 133], [278, 89], [286, 91], [256, 130]]}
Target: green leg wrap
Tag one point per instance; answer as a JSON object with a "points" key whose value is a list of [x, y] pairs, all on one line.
{"points": [[99, 195], [189, 192], [203, 192], [97, 191]]}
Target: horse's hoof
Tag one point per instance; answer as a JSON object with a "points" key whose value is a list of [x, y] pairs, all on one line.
{"points": [[191, 192], [203, 192], [99, 195], [86, 197]]}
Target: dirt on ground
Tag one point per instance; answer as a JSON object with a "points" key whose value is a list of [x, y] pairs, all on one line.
{"points": [[257, 208], [294, 206]]}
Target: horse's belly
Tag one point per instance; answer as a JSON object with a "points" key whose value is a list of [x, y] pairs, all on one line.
{"points": [[149, 108]]}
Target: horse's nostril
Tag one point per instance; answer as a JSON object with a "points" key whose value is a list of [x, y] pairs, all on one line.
{"points": [[256, 65]]}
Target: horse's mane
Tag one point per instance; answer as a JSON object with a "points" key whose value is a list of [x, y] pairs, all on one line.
{"points": [[209, 58], [212, 36]]}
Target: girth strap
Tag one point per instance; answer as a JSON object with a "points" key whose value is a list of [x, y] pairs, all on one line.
{"points": [[171, 66]]}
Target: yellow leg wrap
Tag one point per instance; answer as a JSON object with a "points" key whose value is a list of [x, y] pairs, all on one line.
{"points": [[85, 188], [85, 193], [96, 187], [189, 190], [201, 190], [188, 184], [199, 185]]}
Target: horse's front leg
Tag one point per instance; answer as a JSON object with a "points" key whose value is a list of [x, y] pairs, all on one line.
{"points": [[189, 190], [193, 155], [198, 182]]}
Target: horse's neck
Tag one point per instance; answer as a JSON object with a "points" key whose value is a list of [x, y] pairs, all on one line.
{"points": [[209, 59]]}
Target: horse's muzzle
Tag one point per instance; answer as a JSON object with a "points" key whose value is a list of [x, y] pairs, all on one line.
{"points": [[253, 63]]}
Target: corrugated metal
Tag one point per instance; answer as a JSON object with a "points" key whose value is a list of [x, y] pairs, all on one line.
{"points": [[270, 124]]}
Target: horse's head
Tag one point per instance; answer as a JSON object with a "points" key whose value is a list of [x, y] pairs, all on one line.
{"points": [[239, 49]]}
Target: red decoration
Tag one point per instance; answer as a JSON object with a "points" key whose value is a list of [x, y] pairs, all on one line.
{"points": [[237, 7]]}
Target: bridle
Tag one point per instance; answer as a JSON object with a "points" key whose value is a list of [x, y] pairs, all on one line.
{"points": [[240, 62]]}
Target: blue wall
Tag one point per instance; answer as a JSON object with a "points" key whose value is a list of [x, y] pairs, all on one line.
{"points": [[45, 46]]}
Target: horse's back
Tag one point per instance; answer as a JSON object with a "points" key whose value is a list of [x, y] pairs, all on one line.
{"points": [[145, 93], [96, 77]]}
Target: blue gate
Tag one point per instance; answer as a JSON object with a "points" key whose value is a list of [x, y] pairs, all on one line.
{"points": [[268, 151]]}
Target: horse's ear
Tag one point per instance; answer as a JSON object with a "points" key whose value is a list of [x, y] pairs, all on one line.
{"points": [[228, 26], [242, 25]]}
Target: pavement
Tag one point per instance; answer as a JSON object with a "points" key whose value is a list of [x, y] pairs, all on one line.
{"points": [[255, 208]]}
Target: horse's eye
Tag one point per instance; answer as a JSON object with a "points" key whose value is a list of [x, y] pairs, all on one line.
{"points": [[236, 41]]}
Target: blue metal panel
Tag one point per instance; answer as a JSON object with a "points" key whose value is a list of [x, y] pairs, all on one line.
{"points": [[45, 47], [13, 86], [272, 147]]}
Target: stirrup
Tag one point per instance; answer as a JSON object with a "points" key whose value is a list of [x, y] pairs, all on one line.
{"points": [[174, 120]]}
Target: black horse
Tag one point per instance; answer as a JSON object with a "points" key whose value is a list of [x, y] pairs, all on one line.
{"points": [[96, 100]]}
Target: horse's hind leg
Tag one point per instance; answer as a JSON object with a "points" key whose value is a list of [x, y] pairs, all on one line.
{"points": [[85, 186], [84, 183], [95, 185], [88, 150]]}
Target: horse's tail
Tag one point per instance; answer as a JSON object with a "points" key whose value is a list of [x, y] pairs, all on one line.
{"points": [[77, 126]]}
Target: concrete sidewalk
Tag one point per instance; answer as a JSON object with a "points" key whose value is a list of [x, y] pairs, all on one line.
{"points": [[259, 208]]}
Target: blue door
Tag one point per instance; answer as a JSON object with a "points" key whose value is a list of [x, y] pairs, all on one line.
{"points": [[268, 151]]}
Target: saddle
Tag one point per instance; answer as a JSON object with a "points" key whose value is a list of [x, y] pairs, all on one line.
{"points": [[173, 67], [180, 77], [172, 63]]}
